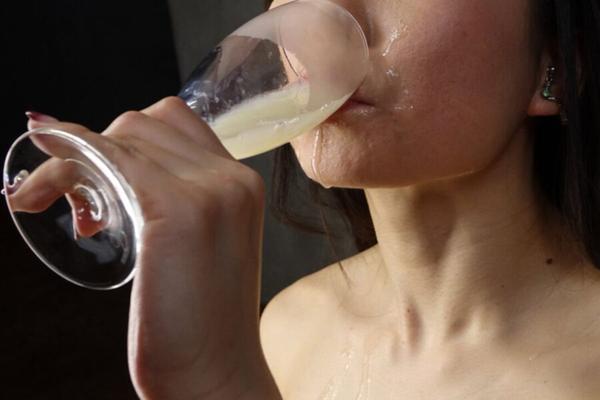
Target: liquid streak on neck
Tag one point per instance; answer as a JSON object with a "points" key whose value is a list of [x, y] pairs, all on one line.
{"points": [[316, 157]]}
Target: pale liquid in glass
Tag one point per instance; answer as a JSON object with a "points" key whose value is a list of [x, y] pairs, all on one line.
{"points": [[270, 120]]}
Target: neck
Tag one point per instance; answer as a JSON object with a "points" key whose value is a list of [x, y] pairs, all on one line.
{"points": [[463, 258]]}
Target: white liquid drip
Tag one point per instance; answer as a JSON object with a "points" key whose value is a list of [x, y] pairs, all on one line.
{"points": [[404, 108], [332, 390], [391, 73], [404, 105], [316, 157], [314, 154], [395, 36], [365, 380]]}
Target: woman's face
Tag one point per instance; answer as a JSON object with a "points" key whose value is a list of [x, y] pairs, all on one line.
{"points": [[450, 83]]}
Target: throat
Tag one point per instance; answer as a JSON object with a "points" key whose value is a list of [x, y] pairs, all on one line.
{"points": [[456, 299]]}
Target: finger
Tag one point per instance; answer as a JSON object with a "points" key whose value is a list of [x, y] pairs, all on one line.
{"points": [[134, 158], [49, 182], [119, 145], [51, 142], [45, 185], [87, 221], [136, 125], [57, 177], [119, 154], [206, 163], [182, 166], [175, 112]]}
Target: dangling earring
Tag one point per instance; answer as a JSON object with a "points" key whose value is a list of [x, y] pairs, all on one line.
{"points": [[547, 90], [547, 93]]}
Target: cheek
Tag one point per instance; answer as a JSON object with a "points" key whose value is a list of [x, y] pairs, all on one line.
{"points": [[336, 154], [470, 84], [474, 67]]}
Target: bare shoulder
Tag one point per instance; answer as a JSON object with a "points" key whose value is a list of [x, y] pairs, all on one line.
{"points": [[299, 301], [296, 320], [308, 300], [579, 356], [292, 320], [292, 301], [590, 345], [577, 367], [309, 303]]}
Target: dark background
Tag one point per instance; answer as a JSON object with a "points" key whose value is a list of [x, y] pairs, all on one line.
{"points": [[84, 61], [89, 61]]}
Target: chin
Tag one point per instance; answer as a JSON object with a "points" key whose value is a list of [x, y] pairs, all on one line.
{"points": [[355, 149], [322, 159], [331, 162]]}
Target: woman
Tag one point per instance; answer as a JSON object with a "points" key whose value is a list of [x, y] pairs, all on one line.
{"points": [[475, 141]]}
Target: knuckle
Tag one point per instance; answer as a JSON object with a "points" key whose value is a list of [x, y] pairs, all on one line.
{"points": [[186, 211], [256, 182], [121, 147], [203, 210], [125, 120], [124, 128], [168, 104], [253, 181], [237, 195], [72, 127], [232, 190]]}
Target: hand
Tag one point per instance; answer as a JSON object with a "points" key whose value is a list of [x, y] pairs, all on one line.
{"points": [[193, 326]]}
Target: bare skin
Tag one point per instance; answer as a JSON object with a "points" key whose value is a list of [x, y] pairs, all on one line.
{"points": [[474, 290], [325, 340], [471, 293]]}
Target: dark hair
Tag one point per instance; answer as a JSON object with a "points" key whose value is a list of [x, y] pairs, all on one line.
{"points": [[566, 154]]}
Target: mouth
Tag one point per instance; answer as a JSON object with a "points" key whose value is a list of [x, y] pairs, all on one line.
{"points": [[355, 104], [354, 107]]}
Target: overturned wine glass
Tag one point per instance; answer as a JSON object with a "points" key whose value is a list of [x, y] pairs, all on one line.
{"points": [[276, 77]]}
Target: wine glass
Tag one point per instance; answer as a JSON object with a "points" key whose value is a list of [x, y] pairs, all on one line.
{"points": [[276, 77]]}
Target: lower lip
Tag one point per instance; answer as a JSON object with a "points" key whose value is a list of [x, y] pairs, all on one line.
{"points": [[351, 108]]}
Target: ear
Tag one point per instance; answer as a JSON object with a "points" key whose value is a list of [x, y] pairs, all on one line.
{"points": [[539, 106]]}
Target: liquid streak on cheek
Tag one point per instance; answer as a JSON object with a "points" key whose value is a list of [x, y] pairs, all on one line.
{"points": [[404, 104], [392, 73], [398, 32]]}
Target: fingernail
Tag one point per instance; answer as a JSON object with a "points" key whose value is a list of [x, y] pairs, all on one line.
{"points": [[39, 117]]}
